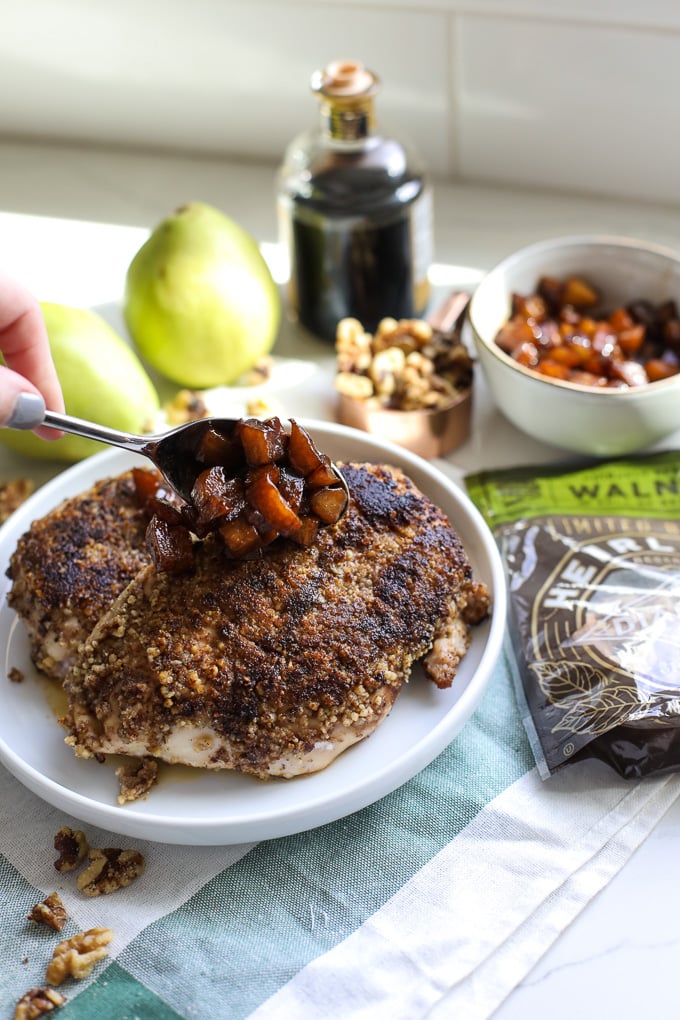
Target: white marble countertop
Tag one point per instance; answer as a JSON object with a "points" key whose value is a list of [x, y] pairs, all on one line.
{"points": [[70, 221]]}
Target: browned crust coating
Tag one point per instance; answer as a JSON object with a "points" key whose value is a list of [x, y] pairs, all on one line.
{"points": [[275, 653], [71, 565]]}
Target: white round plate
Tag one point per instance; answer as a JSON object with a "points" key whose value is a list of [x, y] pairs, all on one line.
{"points": [[197, 807]]}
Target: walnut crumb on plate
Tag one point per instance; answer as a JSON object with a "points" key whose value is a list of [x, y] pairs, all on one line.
{"points": [[135, 778]]}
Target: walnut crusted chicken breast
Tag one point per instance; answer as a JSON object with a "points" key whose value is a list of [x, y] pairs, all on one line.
{"points": [[275, 665], [71, 565]]}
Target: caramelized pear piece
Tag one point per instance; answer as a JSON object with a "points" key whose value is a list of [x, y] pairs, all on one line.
{"points": [[658, 368], [322, 476], [328, 504], [578, 293], [292, 488], [240, 537], [215, 497], [170, 548], [218, 449], [263, 494], [263, 442], [307, 532], [147, 484], [551, 290], [303, 455]]}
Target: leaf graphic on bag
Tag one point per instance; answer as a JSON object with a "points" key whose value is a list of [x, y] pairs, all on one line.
{"points": [[597, 714], [565, 678]]}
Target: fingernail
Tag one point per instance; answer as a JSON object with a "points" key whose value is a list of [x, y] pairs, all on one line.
{"points": [[27, 413]]}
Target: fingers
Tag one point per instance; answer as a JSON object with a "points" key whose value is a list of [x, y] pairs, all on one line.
{"points": [[19, 401], [26, 351]]}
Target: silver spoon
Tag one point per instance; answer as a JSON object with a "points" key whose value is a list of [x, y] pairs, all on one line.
{"points": [[172, 452]]}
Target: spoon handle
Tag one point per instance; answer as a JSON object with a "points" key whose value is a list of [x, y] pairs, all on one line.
{"points": [[100, 433]]}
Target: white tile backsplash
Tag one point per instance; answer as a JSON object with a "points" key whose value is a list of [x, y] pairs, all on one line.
{"points": [[569, 106], [527, 92], [650, 13], [222, 77]]}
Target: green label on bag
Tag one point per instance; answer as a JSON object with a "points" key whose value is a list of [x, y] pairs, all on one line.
{"points": [[643, 486]]}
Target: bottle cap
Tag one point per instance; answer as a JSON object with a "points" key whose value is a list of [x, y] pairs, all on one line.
{"points": [[345, 79]]}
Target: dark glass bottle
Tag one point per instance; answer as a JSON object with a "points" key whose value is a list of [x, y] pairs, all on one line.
{"points": [[356, 212]]}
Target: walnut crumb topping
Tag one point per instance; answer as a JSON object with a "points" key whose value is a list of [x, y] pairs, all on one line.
{"points": [[38, 1001], [136, 778], [75, 957], [110, 869], [50, 912], [72, 847]]}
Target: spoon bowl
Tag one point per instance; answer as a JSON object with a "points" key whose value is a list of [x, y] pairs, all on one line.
{"points": [[175, 453]]}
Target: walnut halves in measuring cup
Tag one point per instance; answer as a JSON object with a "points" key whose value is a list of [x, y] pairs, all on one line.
{"points": [[406, 365], [411, 382]]}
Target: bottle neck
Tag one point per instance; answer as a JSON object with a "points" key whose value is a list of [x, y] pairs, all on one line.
{"points": [[347, 122]]}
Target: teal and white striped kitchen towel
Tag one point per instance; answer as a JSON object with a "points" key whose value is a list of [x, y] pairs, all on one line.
{"points": [[434, 902]]}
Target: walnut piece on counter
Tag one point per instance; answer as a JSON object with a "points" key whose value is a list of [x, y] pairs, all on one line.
{"points": [[38, 1001], [75, 957], [406, 366], [135, 778], [72, 846], [259, 407], [187, 405], [108, 870], [50, 912], [12, 495]]}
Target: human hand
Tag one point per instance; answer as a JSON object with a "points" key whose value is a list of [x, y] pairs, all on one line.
{"points": [[28, 380]]}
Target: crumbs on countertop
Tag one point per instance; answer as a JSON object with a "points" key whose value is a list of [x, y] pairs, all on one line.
{"points": [[12, 495]]}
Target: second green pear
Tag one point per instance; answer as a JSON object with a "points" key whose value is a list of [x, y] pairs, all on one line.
{"points": [[102, 380], [200, 302]]}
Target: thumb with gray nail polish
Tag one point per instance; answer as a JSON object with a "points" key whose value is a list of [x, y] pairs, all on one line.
{"points": [[27, 412]]}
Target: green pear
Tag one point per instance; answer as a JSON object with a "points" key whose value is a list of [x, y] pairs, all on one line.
{"points": [[200, 302], [102, 380]]}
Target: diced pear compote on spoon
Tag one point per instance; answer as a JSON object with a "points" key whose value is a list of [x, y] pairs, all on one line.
{"points": [[259, 482]]}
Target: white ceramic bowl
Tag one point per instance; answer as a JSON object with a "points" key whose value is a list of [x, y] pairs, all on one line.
{"points": [[596, 421]]}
